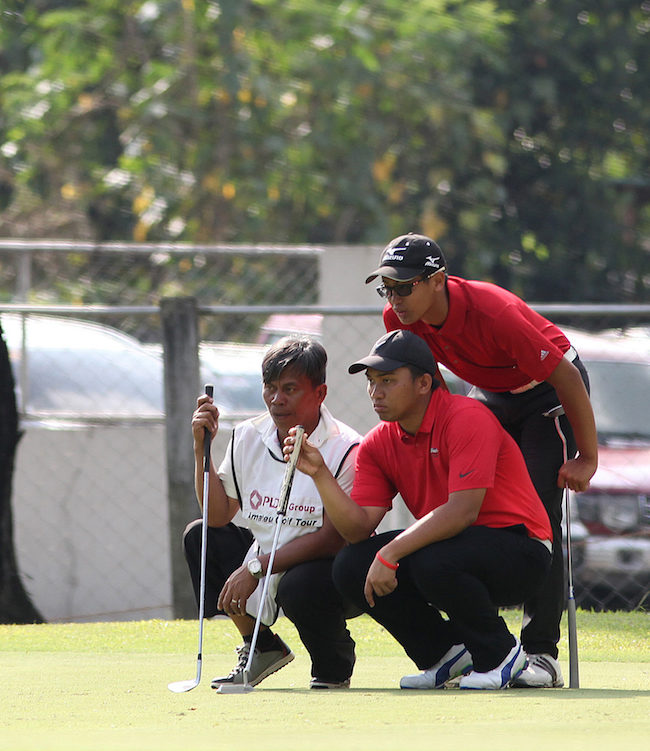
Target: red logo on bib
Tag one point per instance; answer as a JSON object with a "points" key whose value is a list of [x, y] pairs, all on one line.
{"points": [[255, 500]]}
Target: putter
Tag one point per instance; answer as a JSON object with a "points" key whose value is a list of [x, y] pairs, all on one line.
{"points": [[245, 687], [179, 687], [574, 671]]}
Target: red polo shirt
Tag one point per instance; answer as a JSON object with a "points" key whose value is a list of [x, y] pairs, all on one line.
{"points": [[490, 338], [460, 445]]}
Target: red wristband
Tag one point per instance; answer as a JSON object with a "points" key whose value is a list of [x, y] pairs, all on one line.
{"points": [[393, 566]]}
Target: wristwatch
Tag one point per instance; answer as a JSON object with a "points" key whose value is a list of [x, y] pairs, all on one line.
{"points": [[255, 568]]}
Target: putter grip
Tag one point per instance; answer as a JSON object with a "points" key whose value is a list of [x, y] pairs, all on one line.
{"points": [[289, 472], [207, 440]]}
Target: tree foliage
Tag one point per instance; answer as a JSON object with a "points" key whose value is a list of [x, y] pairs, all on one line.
{"points": [[513, 131]]}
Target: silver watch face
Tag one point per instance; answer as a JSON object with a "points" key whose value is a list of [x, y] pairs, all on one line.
{"points": [[255, 568]]}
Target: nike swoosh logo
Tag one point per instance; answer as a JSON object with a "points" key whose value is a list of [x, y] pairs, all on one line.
{"points": [[464, 474]]}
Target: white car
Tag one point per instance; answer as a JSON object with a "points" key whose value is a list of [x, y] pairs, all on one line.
{"points": [[71, 369], [90, 498]]}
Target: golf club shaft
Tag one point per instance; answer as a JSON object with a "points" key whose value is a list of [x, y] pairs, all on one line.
{"points": [[207, 440], [287, 482], [182, 686], [574, 671]]}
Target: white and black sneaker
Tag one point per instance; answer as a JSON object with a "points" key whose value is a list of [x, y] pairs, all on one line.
{"points": [[543, 671], [499, 677], [457, 661], [262, 665]]}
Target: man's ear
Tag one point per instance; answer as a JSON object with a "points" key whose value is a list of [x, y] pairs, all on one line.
{"points": [[438, 280], [322, 392], [425, 383]]}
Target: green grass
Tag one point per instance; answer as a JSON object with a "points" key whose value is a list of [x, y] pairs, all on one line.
{"points": [[103, 686]]}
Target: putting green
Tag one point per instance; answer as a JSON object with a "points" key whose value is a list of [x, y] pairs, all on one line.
{"points": [[104, 687]]}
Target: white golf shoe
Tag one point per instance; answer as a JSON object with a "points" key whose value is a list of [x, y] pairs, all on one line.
{"points": [[457, 661], [543, 671], [499, 677]]}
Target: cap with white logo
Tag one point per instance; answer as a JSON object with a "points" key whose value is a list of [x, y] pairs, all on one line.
{"points": [[408, 256]]}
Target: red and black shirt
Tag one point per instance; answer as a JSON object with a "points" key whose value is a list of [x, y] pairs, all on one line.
{"points": [[460, 445], [491, 338]]}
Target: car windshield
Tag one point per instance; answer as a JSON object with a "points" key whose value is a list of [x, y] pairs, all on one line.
{"points": [[617, 395], [235, 371]]}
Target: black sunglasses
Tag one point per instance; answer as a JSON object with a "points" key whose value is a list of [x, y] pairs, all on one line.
{"points": [[401, 290]]}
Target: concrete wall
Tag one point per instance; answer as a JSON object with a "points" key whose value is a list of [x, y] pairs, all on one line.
{"points": [[91, 537]]}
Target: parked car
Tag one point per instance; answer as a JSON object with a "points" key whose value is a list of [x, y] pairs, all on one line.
{"points": [[236, 372], [66, 368], [90, 498], [611, 521]]}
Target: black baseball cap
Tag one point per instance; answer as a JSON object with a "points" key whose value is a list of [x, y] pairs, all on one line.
{"points": [[396, 349], [408, 256]]}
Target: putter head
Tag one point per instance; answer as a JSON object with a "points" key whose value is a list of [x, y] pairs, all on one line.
{"points": [[179, 687], [235, 688]]}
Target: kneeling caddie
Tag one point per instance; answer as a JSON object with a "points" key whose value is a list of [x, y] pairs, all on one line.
{"points": [[249, 480]]}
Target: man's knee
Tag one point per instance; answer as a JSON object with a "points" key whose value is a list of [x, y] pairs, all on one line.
{"points": [[227, 545], [350, 569], [192, 537], [351, 564], [309, 586]]}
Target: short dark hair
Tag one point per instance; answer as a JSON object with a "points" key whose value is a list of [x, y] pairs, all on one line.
{"points": [[306, 355], [417, 372]]}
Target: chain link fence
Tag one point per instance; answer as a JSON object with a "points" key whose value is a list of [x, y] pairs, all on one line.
{"points": [[90, 497]]}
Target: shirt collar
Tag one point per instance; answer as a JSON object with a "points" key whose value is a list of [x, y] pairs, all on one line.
{"points": [[426, 425], [455, 321], [326, 428]]}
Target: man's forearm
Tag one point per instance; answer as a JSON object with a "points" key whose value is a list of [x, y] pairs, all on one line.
{"points": [[574, 398], [351, 520]]}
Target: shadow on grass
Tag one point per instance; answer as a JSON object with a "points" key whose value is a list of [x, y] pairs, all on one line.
{"points": [[548, 693]]}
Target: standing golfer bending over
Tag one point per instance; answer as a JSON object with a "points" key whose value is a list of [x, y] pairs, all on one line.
{"points": [[249, 480], [522, 367], [482, 536]]}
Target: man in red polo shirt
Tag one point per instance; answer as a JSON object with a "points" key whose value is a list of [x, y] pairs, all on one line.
{"points": [[522, 367], [482, 536]]}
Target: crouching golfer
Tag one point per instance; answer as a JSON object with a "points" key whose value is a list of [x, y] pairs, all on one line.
{"points": [[249, 479], [482, 536]]}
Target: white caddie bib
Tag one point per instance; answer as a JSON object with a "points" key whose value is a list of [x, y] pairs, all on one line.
{"points": [[259, 471]]}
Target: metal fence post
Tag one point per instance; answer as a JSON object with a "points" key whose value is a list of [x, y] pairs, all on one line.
{"points": [[179, 323]]}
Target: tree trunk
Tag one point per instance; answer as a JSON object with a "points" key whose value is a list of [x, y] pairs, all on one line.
{"points": [[15, 605]]}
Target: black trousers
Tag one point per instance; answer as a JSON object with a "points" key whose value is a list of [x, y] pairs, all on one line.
{"points": [[306, 594], [467, 577], [522, 415]]}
